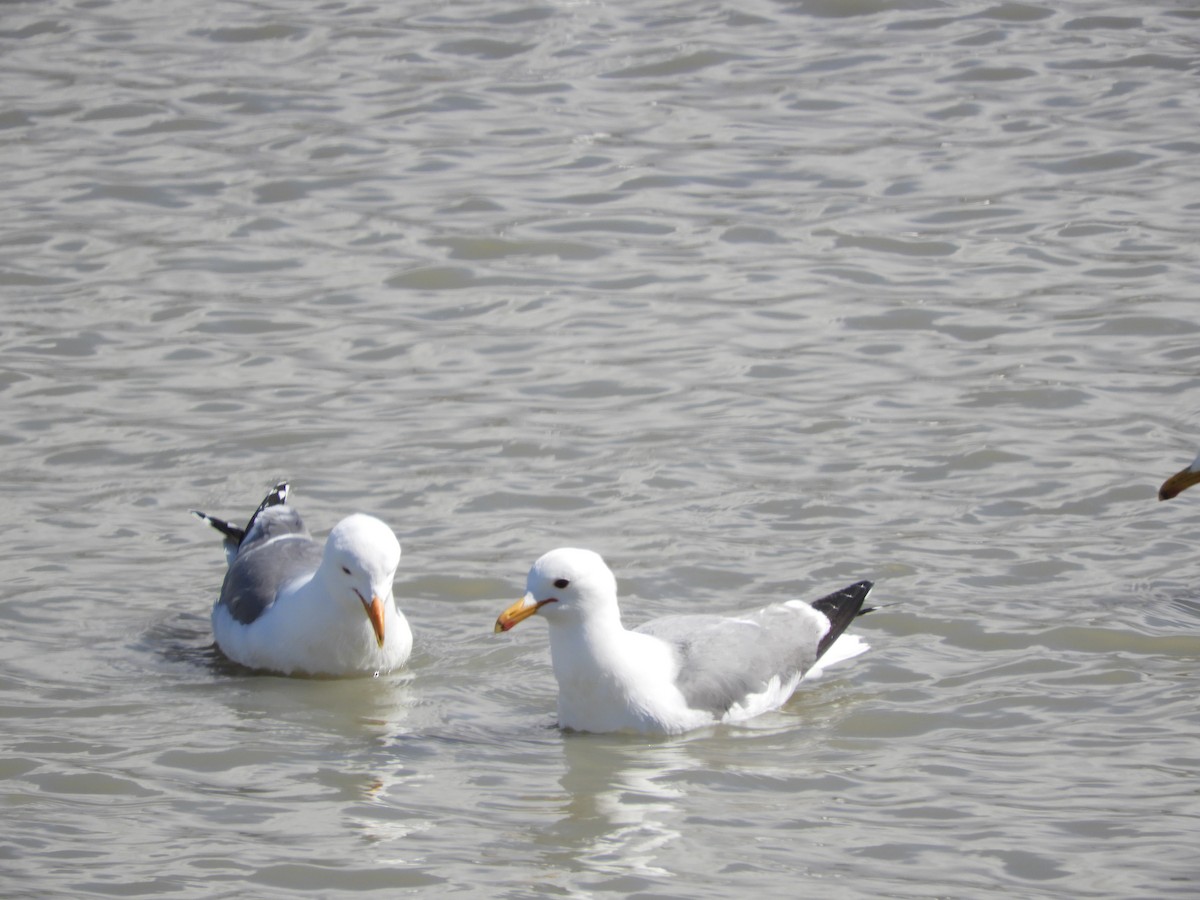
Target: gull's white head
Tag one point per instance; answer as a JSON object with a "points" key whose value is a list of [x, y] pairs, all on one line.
{"points": [[563, 584], [361, 556]]}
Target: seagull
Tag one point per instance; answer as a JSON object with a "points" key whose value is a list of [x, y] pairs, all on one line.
{"points": [[292, 606], [1180, 481], [675, 673]]}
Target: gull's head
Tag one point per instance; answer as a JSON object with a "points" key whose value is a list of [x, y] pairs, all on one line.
{"points": [[1180, 481], [361, 556], [563, 584]]}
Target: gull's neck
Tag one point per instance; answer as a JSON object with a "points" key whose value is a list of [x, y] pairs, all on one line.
{"points": [[589, 645], [312, 598], [610, 679]]}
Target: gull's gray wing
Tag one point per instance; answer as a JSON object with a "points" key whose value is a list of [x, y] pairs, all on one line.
{"points": [[275, 551], [723, 660], [271, 523], [234, 535]]}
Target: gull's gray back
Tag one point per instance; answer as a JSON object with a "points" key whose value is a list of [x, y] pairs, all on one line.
{"points": [[723, 660], [276, 551], [270, 523]]}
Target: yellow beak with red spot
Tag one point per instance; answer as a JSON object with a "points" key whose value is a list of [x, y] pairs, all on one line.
{"points": [[519, 612]]}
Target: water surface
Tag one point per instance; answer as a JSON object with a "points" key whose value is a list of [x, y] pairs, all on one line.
{"points": [[755, 299]]}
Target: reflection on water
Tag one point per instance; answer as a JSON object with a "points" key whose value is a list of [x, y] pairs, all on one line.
{"points": [[619, 814]]}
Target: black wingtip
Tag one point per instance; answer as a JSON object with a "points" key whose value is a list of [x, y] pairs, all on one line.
{"points": [[276, 497], [231, 532], [841, 608]]}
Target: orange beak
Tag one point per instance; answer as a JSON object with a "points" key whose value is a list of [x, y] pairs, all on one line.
{"points": [[519, 612], [1178, 483], [374, 611]]}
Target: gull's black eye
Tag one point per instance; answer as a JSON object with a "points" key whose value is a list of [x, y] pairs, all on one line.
{"points": [[562, 583], [346, 570]]}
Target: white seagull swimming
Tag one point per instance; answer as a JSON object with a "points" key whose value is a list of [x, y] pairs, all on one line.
{"points": [[675, 673], [289, 605], [1180, 481]]}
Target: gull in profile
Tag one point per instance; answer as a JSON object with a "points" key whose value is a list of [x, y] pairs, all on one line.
{"points": [[675, 673]]}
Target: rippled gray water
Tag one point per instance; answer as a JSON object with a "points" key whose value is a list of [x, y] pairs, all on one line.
{"points": [[756, 299]]}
